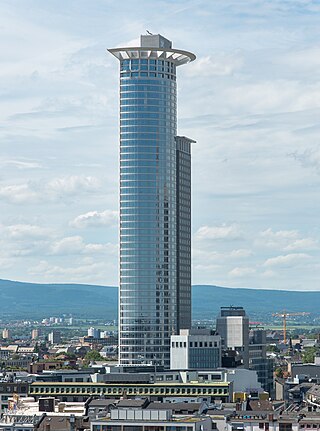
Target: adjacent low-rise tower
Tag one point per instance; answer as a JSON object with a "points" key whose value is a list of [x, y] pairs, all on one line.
{"points": [[155, 207]]}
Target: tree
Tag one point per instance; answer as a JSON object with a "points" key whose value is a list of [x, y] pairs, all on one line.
{"points": [[273, 348], [279, 372], [308, 355], [93, 355]]}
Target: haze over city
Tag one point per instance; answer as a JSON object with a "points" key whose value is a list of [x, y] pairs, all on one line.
{"points": [[251, 100]]}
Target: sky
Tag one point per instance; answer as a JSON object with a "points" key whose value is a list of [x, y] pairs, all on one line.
{"points": [[251, 100]]}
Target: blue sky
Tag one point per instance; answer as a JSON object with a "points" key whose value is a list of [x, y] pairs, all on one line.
{"points": [[251, 100]]}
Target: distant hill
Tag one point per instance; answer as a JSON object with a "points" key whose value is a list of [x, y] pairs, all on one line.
{"points": [[31, 300], [207, 300]]}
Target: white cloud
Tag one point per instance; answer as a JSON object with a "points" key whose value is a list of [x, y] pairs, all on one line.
{"points": [[241, 272], [53, 190], [95, 218], [215, 65], [21, 164], [27, 232], [68, 245], [269, 273], [75, 245], [73, 184], [287, 260], [211, 268], [6, 263], [303, 60], [269, 234], [18, 194], [105, 249], [83, 270], [229, 232], [302, 244], [287, 240], [271, 96], [241, 253]]}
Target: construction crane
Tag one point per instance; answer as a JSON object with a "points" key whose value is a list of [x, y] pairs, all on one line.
{"points": [[284, 316]]}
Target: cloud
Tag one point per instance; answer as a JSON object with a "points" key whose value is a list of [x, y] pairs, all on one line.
{"points": [[241, 253], [6, 263], [21, 164], [241, 272], [95, 218], [27, 232], [24, 240], [18, 194], [73, 184], [304, 60], [228, 232], [75, 245], [52, 190], [310, 158], [269, 234], [276, 239], [287, 261], [220, 65], [269, 273], [287, 240], [201, 255], [81, 271], [68, 245], [303, 244]]}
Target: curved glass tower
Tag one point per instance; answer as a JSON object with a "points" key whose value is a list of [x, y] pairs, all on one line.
{"points": [[149, 308]]}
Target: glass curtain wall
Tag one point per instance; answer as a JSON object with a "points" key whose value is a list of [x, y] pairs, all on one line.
{"points": [[148, 249]]}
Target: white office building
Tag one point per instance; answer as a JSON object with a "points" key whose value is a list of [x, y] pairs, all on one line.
{"points": [[195, 349]]}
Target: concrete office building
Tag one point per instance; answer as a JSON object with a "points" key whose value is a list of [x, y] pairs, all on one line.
{"points": [[155, 183], [233, 327], [6, 334], [54, 337], [133, 416], [195, 349], [94, 332], [35, 333]]}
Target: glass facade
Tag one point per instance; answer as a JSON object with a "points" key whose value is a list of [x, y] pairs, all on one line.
{"points": [[148, 311], [183, 176]]}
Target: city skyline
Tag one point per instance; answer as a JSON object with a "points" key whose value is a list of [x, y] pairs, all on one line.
{"points": [[251, 101]]}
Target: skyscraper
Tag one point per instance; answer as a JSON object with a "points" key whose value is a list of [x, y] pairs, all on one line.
{"points": [[155, 211], [233, 327]]}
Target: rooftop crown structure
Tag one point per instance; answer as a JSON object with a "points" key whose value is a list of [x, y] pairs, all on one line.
{"points": [[155, 203]]}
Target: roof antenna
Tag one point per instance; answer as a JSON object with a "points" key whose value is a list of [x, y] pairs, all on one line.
{"points": [[149, 32]]}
